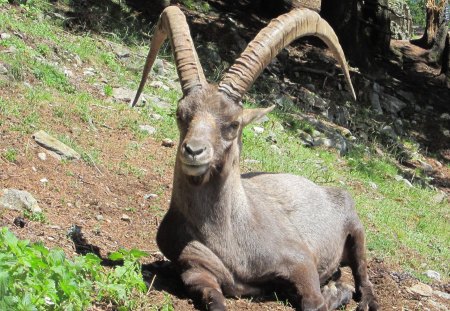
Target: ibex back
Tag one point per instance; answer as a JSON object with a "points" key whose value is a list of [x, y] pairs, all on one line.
{"points": [[231, 234]]}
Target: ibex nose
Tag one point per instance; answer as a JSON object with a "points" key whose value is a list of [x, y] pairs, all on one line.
{"points": [[194, 148]]}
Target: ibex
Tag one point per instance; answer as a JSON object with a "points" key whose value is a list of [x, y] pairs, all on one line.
{"points": [[231, 234]]}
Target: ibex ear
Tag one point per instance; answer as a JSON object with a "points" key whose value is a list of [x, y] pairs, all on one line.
{"points": [[250, 115]]}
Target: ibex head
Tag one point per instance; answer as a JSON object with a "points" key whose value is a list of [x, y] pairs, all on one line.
{"points": [[211, 117]]}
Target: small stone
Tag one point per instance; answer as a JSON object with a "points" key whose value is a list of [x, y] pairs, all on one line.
{"points": [[50, 238], [42, 156], [44, 180], [421, 289], [125, 217], [18, 200], [150, 196], [156, 116], [49, 142], [373, 185], [68, 73], [258, 129], [443, 295], [147, 129], [99, 217], [276, 149], [55, 227], [433, 275], [427, 168], [3, 70], [439, 198], [167, 142], [5, 36], [445, 116], [159, 85], [446, 133]]}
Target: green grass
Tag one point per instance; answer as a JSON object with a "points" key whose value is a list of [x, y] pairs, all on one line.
{"points": [[10, 155]]}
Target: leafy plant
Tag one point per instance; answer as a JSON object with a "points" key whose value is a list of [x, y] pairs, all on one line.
{"points": [[10, 155], [33, 277]]}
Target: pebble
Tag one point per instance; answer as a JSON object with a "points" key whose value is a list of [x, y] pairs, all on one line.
{"points": [[42, 156], [258, 129], [125, 217], [100, 217], [150, 196], [442, 295], [147, 129], [421, 289], [373, 185], [5, 36], [167, 142], [3, 70], [44, 180], [433, 275], [156, 116]]}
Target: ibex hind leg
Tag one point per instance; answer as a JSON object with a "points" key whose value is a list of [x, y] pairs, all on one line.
{"points": [[356, 257], [203, 284]]}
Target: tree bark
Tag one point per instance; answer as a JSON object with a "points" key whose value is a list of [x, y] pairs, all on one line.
{"points": [[363, 28], [436, 26]]}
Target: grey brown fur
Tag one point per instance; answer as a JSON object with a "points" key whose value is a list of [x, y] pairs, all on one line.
{"points": [[231, 234]]}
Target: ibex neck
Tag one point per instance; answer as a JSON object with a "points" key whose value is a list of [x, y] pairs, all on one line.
{"points": [[213, 202]]}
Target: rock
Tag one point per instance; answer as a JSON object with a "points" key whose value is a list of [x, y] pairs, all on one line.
{"points": [[306, 139], [433, 275], [284, 101], [158, 67], [51, 143], [261, 120], [258, 129], [125, 217], [392, 104], [421, 289], [147, 129], [159, 85], [123, 95], [150, 196], [121, 52], [167, 142], [445, 116], [44, 180], [374, 99], [99, 217], [373, 185], [89, 72], [3, 70], [19, 201], [388, 131], [400, 178], [446, 133], [439, 198], [275, 149], [156, 116], [5, 36], [42, 156], [441, 294], [312, 99], [427, 168], [68, 73]]}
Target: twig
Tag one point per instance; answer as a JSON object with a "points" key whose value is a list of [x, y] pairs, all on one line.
{"points": [[151, 284]]}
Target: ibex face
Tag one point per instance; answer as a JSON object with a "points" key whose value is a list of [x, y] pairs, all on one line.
{"points": [[208, 128]]}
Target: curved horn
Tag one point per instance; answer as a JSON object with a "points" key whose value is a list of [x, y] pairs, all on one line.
{"points": [[172, 23], [270, 41]]}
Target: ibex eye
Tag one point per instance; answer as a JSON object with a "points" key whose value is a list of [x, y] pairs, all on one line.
{"points": [[234, 125]]}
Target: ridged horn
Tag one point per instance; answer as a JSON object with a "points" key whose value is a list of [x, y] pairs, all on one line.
{"points": [[270, 41], [172, 23]]}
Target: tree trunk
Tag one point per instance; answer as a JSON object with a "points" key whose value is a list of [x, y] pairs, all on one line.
{"points": [[445, 69], [363, 28], [435, 25]]}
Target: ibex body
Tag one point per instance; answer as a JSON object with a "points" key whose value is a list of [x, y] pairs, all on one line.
{"points": [[231, 234]]}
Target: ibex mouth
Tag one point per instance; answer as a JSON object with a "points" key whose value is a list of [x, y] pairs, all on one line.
{"points": [[195, 170]]}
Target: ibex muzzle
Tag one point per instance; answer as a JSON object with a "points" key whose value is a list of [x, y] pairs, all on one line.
{"points": [[231, 234]]}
